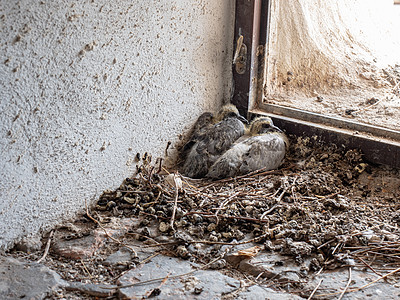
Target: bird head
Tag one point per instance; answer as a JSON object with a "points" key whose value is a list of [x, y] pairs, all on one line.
{"points": [[229, 111], [264, 125]]}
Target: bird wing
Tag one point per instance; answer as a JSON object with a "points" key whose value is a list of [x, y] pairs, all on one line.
{"points": [[210, 145], [228, 164], [223, 135], [200, 128], [196, 163], [265, 151]]}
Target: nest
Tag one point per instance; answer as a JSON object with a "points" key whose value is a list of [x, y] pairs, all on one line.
{"points": [[324, 203]]}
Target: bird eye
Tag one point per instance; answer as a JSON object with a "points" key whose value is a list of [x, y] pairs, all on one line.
{"points": [[232, 114], [266, 125]]}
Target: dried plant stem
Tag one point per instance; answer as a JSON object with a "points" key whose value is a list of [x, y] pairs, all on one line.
{"points": [[376, 280], [369, 267], [105, 231], [316, 288], [224, 203], [171, 277], [364, 286], [46, 250], [175, 207], [347, 286], [205, 242], [208, 215]]}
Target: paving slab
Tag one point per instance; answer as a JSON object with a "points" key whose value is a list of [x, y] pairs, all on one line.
{"points": [[86, 246], [256, 292], [335, 282], [269, 265], [201, 284], [20, 280]]}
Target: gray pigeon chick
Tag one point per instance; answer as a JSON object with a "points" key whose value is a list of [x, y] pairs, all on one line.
{"points": [[227, 126], [263, 148], [203, 123]]}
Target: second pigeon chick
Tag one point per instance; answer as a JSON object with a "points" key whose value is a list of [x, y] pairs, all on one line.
{"points": [[209, 145], [265, 148], [199, 129]]}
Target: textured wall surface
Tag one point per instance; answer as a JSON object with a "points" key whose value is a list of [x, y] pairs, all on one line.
{"points": [[85, 85]]}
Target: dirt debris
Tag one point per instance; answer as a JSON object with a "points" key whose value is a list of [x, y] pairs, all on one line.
{"points": [[325, 208]]}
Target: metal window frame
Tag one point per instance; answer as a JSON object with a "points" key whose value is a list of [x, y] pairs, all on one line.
{"points": [[379, 145]]}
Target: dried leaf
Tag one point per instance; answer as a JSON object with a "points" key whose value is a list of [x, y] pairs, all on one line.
{"points": [[249, 252]]}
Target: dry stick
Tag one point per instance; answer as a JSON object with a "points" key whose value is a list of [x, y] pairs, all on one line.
{"points": [[148, 294], [208, 215], [270, 210], [175, 206], [326, 243], [248, 175], [171, 277], [336, 247], [206, 242], [368, 107], [85, 269], [225, 202], [364, 286], [347, 285], [105, 231], [368, 266], [46, 250], [316, 288]]}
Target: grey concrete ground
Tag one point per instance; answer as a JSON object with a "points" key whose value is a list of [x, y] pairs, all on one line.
{"points": [[164, 277]]}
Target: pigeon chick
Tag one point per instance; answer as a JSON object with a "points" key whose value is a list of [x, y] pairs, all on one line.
{"points": [[263, 148], [203, 123], [227, 126]]}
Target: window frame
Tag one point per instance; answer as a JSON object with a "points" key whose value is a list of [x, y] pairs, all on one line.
{"points": [[379, 145]]}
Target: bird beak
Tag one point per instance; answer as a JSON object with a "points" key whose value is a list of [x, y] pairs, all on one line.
{"points": [[276, 128], [243, 119]]}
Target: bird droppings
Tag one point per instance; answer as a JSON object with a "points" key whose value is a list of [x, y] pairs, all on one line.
{"points": [[323, 209]]}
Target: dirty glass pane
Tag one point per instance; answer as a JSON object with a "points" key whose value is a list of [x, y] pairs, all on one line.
{"points": [[338, 58]]}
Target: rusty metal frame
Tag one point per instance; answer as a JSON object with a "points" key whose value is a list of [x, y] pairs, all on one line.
{"points": [[379, 145], [247, 13]]}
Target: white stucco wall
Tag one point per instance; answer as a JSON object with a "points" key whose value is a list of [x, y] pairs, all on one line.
{"points": [[85, 85]]}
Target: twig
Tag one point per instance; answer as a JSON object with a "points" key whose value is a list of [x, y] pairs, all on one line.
{"points": [[85, 269], [105, 231], [225, 202], [364, 286], [316, 288], [368, 266], [347, 286], [319, 271], [376, 280], [148, 258], [269, 211], [206, 242], [336, 247], [368, 107], [326, 243], [248, 175], [172, 277], [148, 294], [208, 215], [46, 250], [175, 206]]}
